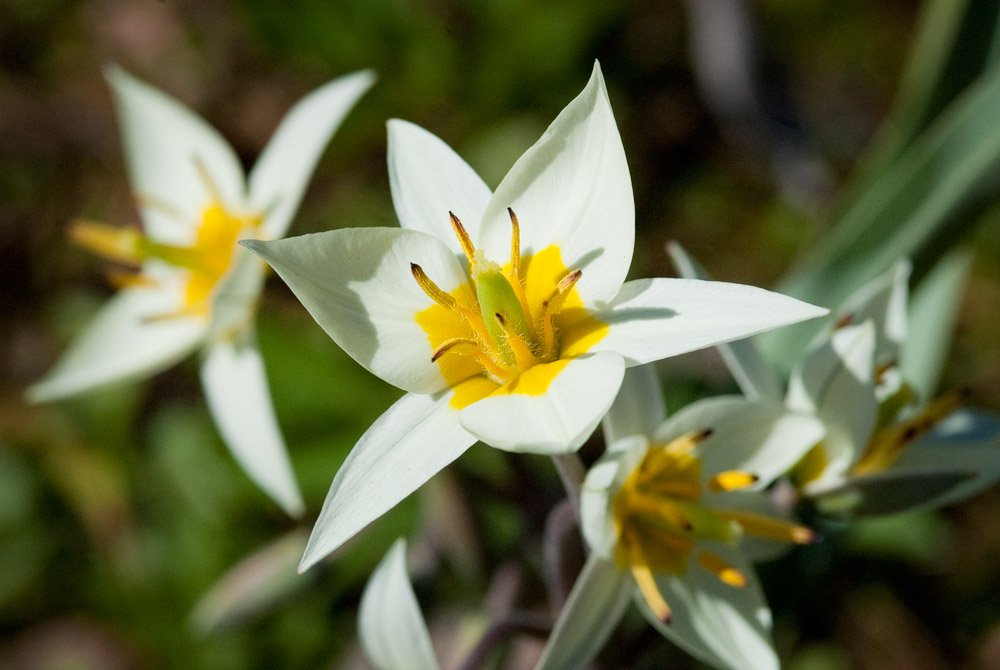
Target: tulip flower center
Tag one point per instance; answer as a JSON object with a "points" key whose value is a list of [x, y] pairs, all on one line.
{"points": [[203, 263], [501, 324], [660, 518]]}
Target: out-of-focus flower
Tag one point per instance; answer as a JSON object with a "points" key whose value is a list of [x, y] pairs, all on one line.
{"points": [[189, 285], [666, 516]]}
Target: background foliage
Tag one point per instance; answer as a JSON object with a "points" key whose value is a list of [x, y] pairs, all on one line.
{"points": [[120, 510]]}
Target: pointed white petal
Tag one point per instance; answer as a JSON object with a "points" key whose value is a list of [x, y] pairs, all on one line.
{"points": [[232, 374], [604, 480], [287, 162], [933, 312], [572, 188], [594, 608], [235, 296], [639, 408], [752, 373], [556, 421], [357, 284], [762, 439], [835, 383], [412, 441], [390, 626], [125, 342], [883, 300], [164, 144], [725, 626], [428, 180], [652, 319]]}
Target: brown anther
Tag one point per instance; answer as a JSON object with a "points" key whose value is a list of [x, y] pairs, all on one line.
{"points": [[463, 239]]}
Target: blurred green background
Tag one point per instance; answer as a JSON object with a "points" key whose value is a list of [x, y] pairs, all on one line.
{"points": [[119, 511]]}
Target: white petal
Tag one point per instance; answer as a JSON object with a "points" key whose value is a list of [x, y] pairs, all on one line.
{"points": [[572, 188], [652, 319], [235, 384], [933, 311], [725, 626], [235, 296], [835, 382], [358, 286], [125, 342], [752, 373], [883, 300], [164, 144], [428, 180], [557, 421], [639, 408], [287, 162], [592, 611], [413, 440], [604, 480], [390, 626], [760, 438]]}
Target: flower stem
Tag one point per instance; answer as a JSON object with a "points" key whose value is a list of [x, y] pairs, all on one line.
{"points": [[571, 473]]}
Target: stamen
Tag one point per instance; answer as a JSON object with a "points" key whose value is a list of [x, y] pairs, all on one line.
{"points": [[888, 444], [769, 528], [553, 306], [844, 321], [448, 345], [687, 442], [463, 239], [431, 289], [659, 508], [147, 201], [515, 270], [523, 356], [123, 245], [203, 172], [721, 569], [515, 242], [647, 585], [492, 370], [731, 480]]}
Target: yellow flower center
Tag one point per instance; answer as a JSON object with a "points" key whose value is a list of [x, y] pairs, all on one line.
{"points": [[659, 519], [204, 262], [510, 328]]}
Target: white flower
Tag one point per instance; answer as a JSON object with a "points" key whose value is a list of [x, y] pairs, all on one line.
{"points": [[885, 450], [504, 315], [667, 513], [193, 286]]}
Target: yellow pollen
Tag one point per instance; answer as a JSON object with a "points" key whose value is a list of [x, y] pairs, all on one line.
{"points": [[647, 586], [731, 480], [505, 321], [721, 569], [770, 528]]}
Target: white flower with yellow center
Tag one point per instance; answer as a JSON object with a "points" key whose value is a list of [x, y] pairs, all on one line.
{"points": [[667, 512], [885, 450], [504, 315], [192, 286]]}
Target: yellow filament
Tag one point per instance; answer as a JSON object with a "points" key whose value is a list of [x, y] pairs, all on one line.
{"points": [[522, 354], [721, 569], [731, 480], [647, 586], [430, 288], [123, 245], [445, 347], [553, 306], [769, 528], [492, 369], [888, 444], [463, 239]]}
